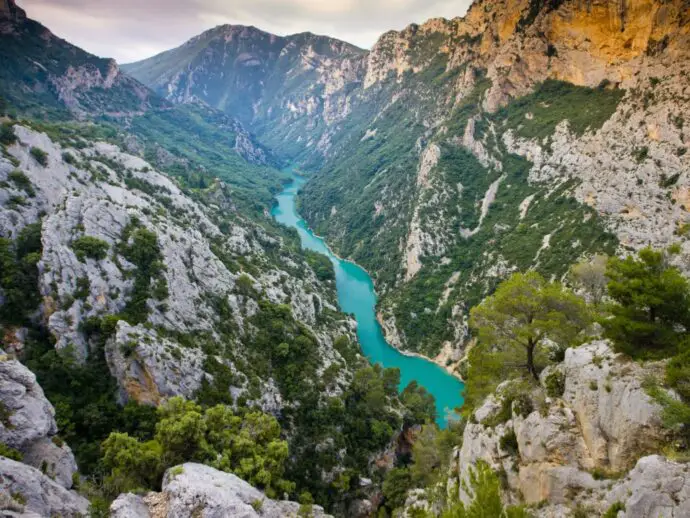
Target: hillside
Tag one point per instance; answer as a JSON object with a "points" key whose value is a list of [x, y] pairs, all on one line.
{"points": [[279, 86], [168, 349], [140, 265], [522, 135]]}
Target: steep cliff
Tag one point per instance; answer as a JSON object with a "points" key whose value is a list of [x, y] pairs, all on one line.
{"points": [[587, 441], [524, 135]]}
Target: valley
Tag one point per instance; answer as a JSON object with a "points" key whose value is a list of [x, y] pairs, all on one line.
{"points": [[262, 275], [356, 296]]}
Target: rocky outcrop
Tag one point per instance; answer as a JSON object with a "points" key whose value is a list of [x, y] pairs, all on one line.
{"points": [[655, 487], [99, 192], [198, 490], [27, 423], [572, 440], [25, 491]]}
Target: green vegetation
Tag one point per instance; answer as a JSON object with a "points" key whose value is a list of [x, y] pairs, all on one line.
{"points": [[7, 136], [19, 275], [321, 265], [612, 512], [484, 487], [650, 316], [247, 445], [21, 181], [91, 247], [10, 453], [140, 247], [39, 155], [85, 396], [525, 314], [536, 115]]}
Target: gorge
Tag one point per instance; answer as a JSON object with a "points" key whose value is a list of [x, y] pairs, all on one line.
{"points": [[356, 296], [254, 275]]}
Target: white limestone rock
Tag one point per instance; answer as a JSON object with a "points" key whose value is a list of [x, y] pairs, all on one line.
{"points": [[29, 425], [199, 490], [617, 419], [35, 494], [656, 487], [30, 416]]}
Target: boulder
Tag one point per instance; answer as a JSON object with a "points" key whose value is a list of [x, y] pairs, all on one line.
{"points": [[655, 487], [34, 494], [27, 423], [198, 490]]}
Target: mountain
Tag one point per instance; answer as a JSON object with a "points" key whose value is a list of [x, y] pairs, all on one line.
{"points": [[280, 86], [43, 72], [168, 349], [140, 265], [527, 134]]}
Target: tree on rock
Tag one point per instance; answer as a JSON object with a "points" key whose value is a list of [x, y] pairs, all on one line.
{"points": [[525, 314], [650, 315]]}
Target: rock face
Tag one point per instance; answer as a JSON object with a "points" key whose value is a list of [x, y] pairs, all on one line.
{"points": [[27, 423], [263, 79], [412, 133], [198, 490], [61, 74], [25, 491], [99, 192], [603, 424]]}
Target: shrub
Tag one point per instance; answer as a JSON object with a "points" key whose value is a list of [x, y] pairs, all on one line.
{"points": [[10, 453], [612, 512], [554, 384], [83, 288], [508, 442], [22, 182], [91, 247], [522, 405], [640, 154], [39, 155], [7, 135]]}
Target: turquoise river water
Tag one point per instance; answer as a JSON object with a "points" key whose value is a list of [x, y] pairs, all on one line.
{"points": [[356, 295]]}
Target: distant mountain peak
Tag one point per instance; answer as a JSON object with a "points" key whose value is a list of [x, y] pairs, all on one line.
{"points": [[10, 11]]}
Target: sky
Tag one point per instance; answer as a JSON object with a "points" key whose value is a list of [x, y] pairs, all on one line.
{"points": [[130, 30]]}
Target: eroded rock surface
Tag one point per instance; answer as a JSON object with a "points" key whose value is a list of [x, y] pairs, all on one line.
{"points": [[27, 423], [198, 490]]}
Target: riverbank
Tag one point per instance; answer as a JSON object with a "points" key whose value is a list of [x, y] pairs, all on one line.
{"points": [[357, 296], [390, 332]]}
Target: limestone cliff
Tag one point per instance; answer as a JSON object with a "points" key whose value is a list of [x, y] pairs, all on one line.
{"points": [[416, 142], [587, 438], [97, 190]]}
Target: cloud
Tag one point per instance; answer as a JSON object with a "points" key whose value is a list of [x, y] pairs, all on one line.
{"points": [[130, 30]]}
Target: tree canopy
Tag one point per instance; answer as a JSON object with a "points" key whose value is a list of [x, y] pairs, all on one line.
{"points": [[527, 315], [650, 309], [248, 446]]}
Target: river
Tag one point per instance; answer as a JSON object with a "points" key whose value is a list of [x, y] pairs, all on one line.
{"points": [[356, 295]]}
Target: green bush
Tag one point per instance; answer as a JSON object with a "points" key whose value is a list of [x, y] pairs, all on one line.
{"points": [[140, 247], [7, 135], [39, 155], [22, 182], [612, 512], [248, 446], [91, 247], [554, 384], [10, 453], [508, 442], [19, 274], [650, 313]]}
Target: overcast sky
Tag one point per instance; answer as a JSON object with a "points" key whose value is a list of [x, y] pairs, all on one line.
{"points": [[129, 30]]}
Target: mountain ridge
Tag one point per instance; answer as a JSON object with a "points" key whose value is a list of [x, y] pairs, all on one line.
{"points": [[382, 122]]}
